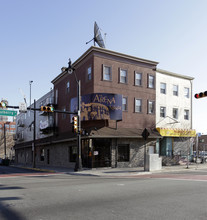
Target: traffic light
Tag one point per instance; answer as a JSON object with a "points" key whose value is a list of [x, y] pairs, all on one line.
{"points": [[2, 105], [75, 124], [200, 95], [47, 108]]}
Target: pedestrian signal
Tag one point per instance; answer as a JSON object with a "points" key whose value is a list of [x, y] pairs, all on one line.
{"points": [[75, 124]]}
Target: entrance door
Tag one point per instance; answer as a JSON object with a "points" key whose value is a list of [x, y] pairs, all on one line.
{"points": [[101, 153]]}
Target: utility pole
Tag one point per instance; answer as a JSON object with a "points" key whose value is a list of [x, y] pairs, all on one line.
{"points": [[34, 136]]}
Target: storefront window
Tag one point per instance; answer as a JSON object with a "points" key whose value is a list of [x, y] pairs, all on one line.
{"points": [[123, 153]]}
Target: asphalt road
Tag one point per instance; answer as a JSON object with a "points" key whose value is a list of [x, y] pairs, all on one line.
{"points": [[159, 196]]}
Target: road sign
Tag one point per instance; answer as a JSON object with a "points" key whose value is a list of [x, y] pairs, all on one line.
{"points": [[8, 112], [145, 134], [22, 107]]}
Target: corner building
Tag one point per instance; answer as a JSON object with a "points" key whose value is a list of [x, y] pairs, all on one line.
{"points": [[118, 97]]}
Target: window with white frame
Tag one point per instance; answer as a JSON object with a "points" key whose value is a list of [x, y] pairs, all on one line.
{"points": [[107, 74], [68, 87], [124, 104], [175, 113], [163, 88], [186, 114], [162, 112], [151, 107], [123, 76], [89, 73], [138, 79], [175, 90], [151, 81], [186, 92], [63, 114], [138, 105]]}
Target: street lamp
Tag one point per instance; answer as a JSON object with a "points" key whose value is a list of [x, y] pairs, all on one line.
{"points": [[30, 84], [78, 165]]}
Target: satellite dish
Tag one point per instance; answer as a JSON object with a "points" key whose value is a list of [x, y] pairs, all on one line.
{"points": [[97, 37]]}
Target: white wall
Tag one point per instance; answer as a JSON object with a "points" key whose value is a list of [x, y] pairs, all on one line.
{"points": [[170, 101]]}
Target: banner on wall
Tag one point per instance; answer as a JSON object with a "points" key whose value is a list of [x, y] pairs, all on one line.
{"points": [[99, 106]]}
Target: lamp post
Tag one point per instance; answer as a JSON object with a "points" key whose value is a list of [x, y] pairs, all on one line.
{"points": [[78, 165], [5, 123], [30, 84]]}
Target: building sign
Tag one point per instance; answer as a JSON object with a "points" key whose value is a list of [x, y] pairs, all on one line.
{"points": [[170, 132], [99, 106]]}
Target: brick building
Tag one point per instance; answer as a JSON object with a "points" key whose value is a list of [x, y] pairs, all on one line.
{"points": [[118, 101]]}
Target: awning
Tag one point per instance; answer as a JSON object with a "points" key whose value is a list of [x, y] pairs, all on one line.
{"points": [[175, 132]]}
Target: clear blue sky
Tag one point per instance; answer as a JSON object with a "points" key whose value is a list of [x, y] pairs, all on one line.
{"points": [[38, 36]]}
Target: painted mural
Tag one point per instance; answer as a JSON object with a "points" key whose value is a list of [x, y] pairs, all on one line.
{"points": [[99, 106]]}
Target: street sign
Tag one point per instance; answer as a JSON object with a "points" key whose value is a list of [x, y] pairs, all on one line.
{"points": [[22, 107], [8, 112], [145, 134]]}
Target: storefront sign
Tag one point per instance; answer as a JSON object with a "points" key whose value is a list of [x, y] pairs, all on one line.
{"points": [[169, 132], [99, 106]]}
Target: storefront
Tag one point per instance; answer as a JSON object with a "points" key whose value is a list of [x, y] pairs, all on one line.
{"points": [[176, 141]]}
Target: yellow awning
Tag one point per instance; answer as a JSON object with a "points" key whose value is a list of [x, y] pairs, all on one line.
{"points": [[170, 132]]}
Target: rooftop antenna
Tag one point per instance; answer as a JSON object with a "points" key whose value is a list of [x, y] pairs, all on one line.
{"points": [[97, 37]]}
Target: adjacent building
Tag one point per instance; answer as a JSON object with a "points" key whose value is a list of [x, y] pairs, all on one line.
{"points": [[174, 113]]}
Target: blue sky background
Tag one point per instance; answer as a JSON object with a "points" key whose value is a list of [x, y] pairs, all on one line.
{"points": [[38, 36]]}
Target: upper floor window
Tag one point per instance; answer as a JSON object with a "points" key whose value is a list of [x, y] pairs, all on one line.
{"points": [[186, 92], [138, 105], [186, 114], [123, 76], [56, 96], [175, 90], [138, 79], [124, 104], [175, 113], [63, 114], [68, 87], [162, 112], [89, 73], [107, 73], [163, 88], [151, 81], [151, 107]]}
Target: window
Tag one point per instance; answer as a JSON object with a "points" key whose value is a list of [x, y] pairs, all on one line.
{"points": [[138, 79], [89, 74], [124, 104], [186, 92], [63, 114], [107, 75], [175, 90], [123, 153], [163, 88], [56, 96], [162, 112], [186, 114], [123, 76], [68, 87], [42, 154], [175, 113], [72, 153], [151, 81], [151, 107], [138, 105]]}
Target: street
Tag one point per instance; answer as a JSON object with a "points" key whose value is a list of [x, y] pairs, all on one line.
{"points": [[40, 196]]}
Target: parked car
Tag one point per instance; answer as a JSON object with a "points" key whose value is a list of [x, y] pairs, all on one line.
{"points": [[1, 161]]}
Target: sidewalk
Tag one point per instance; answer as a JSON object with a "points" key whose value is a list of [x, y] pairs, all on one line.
{"points": [[119, 171]]}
